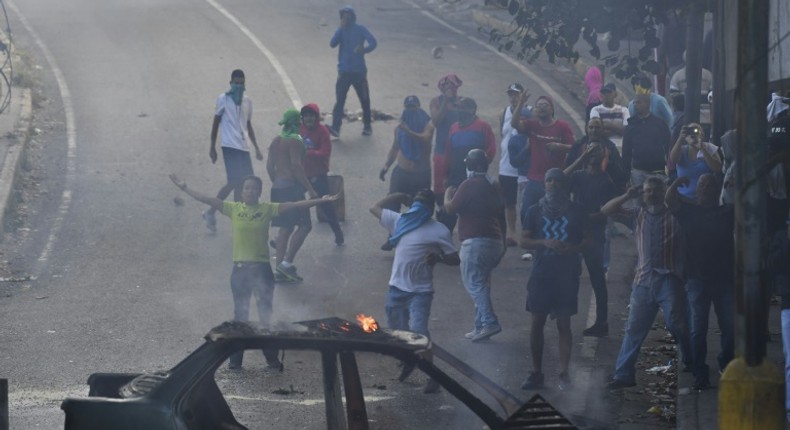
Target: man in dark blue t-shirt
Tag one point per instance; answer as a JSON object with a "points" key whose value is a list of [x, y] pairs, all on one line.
{"points": [[555, 228]]}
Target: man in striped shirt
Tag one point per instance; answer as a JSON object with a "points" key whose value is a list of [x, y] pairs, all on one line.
{"points": [[658, 282]]}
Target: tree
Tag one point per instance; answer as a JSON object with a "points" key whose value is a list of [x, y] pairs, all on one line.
{"points": [[554, 27]]}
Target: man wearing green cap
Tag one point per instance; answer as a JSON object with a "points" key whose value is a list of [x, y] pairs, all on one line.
{"points": [[289, 183]]}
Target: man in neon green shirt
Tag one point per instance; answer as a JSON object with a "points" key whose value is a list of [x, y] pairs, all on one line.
{"points": [[252, 273]]}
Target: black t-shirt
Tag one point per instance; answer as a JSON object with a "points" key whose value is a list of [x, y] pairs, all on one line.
{"points": [[592, 191], [710, 242], [569, 227]]}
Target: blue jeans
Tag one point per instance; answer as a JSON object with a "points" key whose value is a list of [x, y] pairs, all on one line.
{"points": [[246, 280], [479, 257], [533, 191], [786, 348], [408, 311], [661, 291], [701, 294], [593, 258]]}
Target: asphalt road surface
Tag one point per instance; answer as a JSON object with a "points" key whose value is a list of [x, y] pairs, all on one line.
{"points": [[125, 280]]}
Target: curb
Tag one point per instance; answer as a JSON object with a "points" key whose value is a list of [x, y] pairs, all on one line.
{"points": [[16, 142]]}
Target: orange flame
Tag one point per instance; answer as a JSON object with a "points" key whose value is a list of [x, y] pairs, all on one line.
{"points": [[369, 325]]}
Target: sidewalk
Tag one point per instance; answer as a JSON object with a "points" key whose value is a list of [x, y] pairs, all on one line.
{"points": [[698, 410], [695, 410], [14, 133]]}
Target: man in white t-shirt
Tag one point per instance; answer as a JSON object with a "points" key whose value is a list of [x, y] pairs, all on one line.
{"points": [[233, 122], [613, 116], [419, 242], [508, 175]]}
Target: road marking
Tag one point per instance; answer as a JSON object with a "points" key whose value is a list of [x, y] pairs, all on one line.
{"points": [[290, 88], [71, 134]]}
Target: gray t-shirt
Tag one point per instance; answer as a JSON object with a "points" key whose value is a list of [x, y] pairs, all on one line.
{"points": [[410, 272]]}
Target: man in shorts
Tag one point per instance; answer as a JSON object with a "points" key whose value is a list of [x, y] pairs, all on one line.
{"points": [[556, 228], [289, 183], [233, 121]]}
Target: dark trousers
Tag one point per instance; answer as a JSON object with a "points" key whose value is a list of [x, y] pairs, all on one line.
{"points": [[246, 280], [408, 182], [345, 80], [320, 184], [593, 259], [701, 295]]}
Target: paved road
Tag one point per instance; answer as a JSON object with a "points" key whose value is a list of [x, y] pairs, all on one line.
{"points": [[128, 281]]}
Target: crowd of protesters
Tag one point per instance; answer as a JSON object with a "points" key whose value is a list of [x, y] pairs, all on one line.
{"points": [[641, 165]]}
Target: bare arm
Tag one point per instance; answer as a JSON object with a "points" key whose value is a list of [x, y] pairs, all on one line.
{"points": [[303, 204], [391, 156], [390, 200], [677, 148], [438, 109], [212, 150], [251, 133], [673, 198], [515, 120], [612, 207], [426, 136], [270, 168], [214, 202], [712, 160]]}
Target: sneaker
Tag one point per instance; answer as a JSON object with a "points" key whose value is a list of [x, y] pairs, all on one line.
{"points": [[616, 384], [367, 131], [431, 387], [597, 330], [527, 256], [472, 334], [534, 381], [288, 273], [486, 332], [279, 278], [333, 132], [274, 366], [339, 239], [211, 220], [564, 381]]}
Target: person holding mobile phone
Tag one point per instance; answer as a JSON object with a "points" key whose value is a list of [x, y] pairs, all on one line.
{"points": [[694, 157]]}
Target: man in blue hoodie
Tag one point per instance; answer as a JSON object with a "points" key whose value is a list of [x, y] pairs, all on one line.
{"points": [[351, 68]]}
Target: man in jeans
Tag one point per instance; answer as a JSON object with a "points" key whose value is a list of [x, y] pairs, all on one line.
{"points": [[482, 230], [419, 242], [658, 282], [710, 246], [252, 272], [351, 68]]}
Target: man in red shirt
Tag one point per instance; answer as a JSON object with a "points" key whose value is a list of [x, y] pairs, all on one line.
{"points": [[316, 162], [549, 141]]}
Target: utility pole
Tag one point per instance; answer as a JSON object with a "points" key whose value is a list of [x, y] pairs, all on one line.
{"points": [[751, 389], [695, 23]]}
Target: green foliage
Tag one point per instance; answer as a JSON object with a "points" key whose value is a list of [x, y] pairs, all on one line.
{"points": [[554, 27]]}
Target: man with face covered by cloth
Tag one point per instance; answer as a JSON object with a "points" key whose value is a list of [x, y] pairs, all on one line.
{"points": [[411, 147], [556, 228], [289, 183]]}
